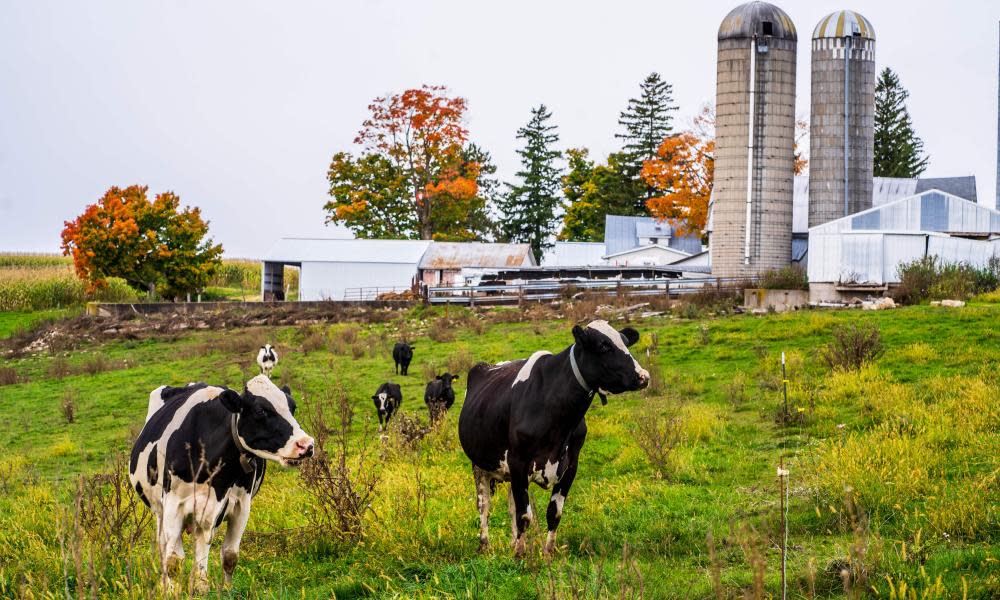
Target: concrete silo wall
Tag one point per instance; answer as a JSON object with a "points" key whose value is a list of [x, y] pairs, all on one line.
{"points": [[774, 123], [827, 131]]}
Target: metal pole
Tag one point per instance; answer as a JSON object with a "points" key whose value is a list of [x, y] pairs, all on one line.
{"points": [[847, 124], [784, 385], [750, 147]]}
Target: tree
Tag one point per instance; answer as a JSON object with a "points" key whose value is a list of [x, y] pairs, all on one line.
{"points": [[682, 174], [414, 173], [801, 146], [529, 208], [153, 245], [646, 122], [593, 191], [898, 150], [461, 213]]}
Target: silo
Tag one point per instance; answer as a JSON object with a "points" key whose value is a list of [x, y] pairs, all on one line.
{"points": [[842, 120], [755, 130]]}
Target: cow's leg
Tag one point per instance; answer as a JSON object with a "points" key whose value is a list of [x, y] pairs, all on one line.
{"points": [[484, 493], [236, 523], [202, 547], [380, 426], [561, 488], [520, 507], [171, 547]]}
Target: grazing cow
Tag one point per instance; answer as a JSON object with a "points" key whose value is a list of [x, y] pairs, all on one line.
{"points": [[439, 395], [267, 358], [523, 421], [402, 354], [387, 399], [200, 459]]}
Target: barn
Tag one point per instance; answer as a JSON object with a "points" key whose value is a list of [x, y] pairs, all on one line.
{"points": [[860, 253], [359, 269]]}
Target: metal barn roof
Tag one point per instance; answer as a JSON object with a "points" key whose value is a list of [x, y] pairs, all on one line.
{"points": [[574, 254], [298, 250], [931, 211], [456, 255], [622, 233]]}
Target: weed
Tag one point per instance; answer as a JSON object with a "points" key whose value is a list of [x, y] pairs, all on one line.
{"points": [[58, 368], [69, 406], [9, 376], [736, 389], [659, 430], [461, 361], [853, 346]]}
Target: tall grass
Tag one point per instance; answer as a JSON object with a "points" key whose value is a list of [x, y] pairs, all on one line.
{"points": [[40, 288]]}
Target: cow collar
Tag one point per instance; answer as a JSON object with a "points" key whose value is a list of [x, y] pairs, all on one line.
{"points": [[246, 457], [583, 382]]}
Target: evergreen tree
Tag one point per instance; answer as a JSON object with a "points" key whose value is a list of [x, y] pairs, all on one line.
{"points": [[898, 150], [646, 122], [529, 208]]}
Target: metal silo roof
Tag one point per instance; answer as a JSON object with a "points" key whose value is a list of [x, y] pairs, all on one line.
{"points": [[844, 23], [748, 19]]}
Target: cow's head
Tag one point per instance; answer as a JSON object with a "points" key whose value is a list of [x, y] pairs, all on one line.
{"points": [[266, 424], [446, 378], [381, 400], [604, 359]]}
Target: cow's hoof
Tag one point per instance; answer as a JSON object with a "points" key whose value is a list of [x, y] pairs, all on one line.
{"points": [[519, 548], [174, 566], [201, 586]]}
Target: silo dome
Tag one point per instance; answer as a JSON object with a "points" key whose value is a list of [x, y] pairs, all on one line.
{"points": [[758, 18], [844, 23]]}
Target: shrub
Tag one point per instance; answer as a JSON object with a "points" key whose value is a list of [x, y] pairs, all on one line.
{"points": [[929, 278], [342, 493], [58, 368], [736, 389], [792, 277], [69, 406], [441, 331], [658, 433], [915, 280], [9, 376], [853, 346], [314, 339], [461, 361]]}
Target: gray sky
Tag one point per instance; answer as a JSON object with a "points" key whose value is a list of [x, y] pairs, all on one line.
{"points": [[238, 106]]}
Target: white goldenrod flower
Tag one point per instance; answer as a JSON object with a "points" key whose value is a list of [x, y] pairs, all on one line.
{"points": [[782, 472]]}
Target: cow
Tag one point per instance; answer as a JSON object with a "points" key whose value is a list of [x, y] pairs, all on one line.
{"points": [[523, 420], [387, 400], [402, 354], [200, 458], [439, 395], [267, 358]]}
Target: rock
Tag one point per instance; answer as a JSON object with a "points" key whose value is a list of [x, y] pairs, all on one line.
{"points": [[953, 303], [878, 304]]}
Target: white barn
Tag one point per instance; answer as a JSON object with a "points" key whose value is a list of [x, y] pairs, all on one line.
{"points": [[360, 269], [862, 252]]}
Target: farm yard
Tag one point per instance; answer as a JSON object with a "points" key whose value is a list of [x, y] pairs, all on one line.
{"points": [[891, 466]]}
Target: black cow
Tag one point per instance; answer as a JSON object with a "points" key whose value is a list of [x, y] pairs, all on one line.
{"points": [[523, 420], [200, 458], [402, 354], [387, 399], [439, 395]]}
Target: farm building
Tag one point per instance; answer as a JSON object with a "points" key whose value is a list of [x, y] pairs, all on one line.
{"points": [[628, 241], [357, 269], [860, 253]]}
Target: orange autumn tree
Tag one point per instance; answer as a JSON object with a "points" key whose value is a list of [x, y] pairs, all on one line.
{"points": [[416, 176], [682, 175], [152, 244]]}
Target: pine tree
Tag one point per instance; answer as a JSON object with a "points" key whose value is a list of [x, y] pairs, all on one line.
{"points": [[529, 208], [647, 122], [898, 150]]}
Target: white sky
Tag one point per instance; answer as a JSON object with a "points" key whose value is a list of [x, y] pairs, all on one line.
{"points": [[238, 106]]}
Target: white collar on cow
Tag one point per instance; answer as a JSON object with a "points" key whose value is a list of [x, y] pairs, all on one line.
{"points": [[583, 382], [246, 457]]}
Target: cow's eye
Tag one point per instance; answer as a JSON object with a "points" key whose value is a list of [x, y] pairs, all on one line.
{"points": [[258, 412], [605, 347]]}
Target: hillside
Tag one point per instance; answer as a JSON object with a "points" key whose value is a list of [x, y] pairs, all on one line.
{"points": [[892, 468]]}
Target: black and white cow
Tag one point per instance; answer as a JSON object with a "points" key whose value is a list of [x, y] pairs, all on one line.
{"points": [[439, 395], [200, 458], [387, 399], [523, 420], [402, 354], [267, 358]]}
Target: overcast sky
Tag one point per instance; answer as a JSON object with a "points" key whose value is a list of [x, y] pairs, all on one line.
{"points": [[238, 106]]}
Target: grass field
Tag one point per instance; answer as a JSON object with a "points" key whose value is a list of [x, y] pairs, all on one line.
{"points": [[893, 468]]}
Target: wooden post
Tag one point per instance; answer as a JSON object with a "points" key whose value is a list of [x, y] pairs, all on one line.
{"points": [[472, 297]]}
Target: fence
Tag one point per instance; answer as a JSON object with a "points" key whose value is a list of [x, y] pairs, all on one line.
{"points": [[542, 291], [385, 294]]}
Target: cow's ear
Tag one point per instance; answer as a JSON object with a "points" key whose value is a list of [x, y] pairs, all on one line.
{"points": [[231, 400], [454, 377], [438, 377], [286, 389], [412, 346], [580, 335], [630, 336]]}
